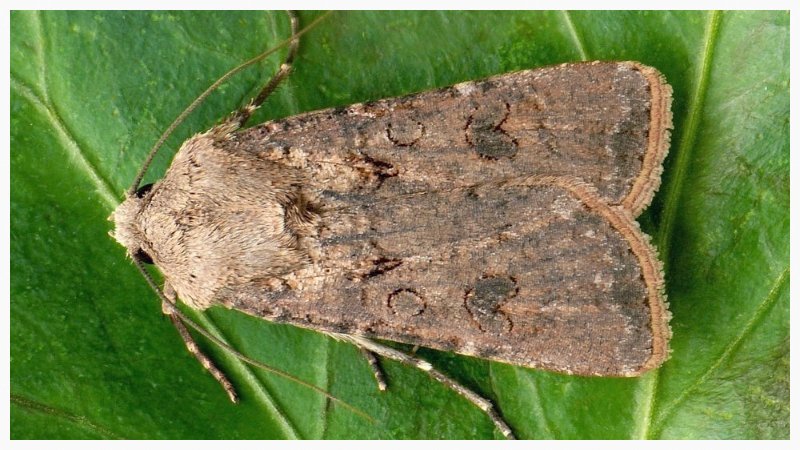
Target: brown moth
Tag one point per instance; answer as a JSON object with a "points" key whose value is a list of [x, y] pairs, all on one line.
{"points": [[492, 218]]}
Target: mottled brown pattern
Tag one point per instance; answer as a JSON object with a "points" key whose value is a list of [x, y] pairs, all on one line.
{"points": [[491, 218]]}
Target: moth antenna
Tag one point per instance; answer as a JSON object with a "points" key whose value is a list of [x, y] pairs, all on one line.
{"points": [[174, 311], [201, 98]]}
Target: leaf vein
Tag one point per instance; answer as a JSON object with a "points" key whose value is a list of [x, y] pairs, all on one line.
{"points": [[77, 419], [263, 395], [70, 144], [758, 315], [674, 189], [325, 412], [541, 412], [39, 53], [688, 139], [573, 32]]}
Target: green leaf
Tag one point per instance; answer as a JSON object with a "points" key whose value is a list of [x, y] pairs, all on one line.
{"points": [[92, 356]]}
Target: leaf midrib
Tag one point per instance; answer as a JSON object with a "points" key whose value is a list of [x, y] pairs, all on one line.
{"points": [[673, 193]]}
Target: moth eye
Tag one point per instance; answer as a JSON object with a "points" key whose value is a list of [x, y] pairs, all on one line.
{"points": [[142, 256], [142, 191]]}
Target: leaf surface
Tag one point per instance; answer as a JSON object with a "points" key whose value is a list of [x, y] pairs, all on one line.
{"points": [[92, 356]]}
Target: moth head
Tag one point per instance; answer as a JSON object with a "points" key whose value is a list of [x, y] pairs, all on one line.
{"points": [[126, 230]]}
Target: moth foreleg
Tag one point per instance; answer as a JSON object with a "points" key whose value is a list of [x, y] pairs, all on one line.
{"points": [[191, 345], [388, 352], [239, 117], [372, 360]]}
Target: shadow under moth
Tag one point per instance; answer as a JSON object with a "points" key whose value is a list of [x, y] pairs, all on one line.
{"points": [[492, 218]]}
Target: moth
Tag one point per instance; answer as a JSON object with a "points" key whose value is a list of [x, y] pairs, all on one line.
{"points": [[493, 218]]}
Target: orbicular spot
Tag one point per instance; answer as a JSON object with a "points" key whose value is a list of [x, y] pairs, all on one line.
{"points": [[406, 303], [404, 132], [485, 300], [485, 133]]}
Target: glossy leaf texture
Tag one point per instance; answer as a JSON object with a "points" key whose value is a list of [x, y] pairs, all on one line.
{"points": [[92, 356]]}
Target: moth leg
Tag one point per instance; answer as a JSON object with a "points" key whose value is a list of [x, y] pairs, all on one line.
{"points": [[191, 345], [388, 352], [241, 116], [372, 360]]}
